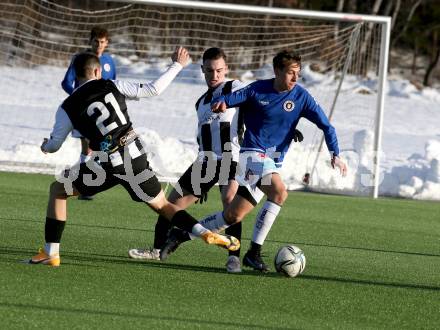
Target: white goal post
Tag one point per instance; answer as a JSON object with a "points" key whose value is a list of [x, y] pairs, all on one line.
{"points": [[345, 60]]}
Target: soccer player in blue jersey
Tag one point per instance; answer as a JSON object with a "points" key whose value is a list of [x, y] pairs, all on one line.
{"points": [[271, 111], [99, 39]]}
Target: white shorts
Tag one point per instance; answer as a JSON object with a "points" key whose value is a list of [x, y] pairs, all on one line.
{"points": [[255, 170]]}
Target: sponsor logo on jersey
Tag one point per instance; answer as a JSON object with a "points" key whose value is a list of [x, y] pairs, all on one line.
{"points": [[208, 117], [288, 105], [264, 102], [106, 144], [107, 67], [248, 175]]}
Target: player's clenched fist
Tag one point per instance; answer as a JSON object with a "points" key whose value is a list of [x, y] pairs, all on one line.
{"points": [[181, 55], [218, 107], [42, 147]]}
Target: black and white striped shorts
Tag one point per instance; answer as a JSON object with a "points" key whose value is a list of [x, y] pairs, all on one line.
{"points": [[127, 166]]}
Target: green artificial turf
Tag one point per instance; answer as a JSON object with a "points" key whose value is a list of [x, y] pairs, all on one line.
{"points": [[371, 264]]}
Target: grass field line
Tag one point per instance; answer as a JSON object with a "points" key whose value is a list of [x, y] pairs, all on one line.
{"points": [[243, 238]]}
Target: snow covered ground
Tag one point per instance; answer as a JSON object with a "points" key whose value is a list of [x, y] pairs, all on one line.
{"points": [[410, 164]]}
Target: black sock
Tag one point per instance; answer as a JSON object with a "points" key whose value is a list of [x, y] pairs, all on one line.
{"points": [[161, 232], [53, 230], [184, 221], [234, 230], [255, 248]]}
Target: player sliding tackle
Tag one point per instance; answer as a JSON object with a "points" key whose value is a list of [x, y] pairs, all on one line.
{"points": [[97, 109], [271, 110]]}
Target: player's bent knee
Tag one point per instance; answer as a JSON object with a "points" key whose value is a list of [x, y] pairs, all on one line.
{"points": [[162, 206], [232, 216], [280, 197], [227, 200]]}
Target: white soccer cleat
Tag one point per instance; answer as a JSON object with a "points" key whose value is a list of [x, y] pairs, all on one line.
{"points": [[145, 254]]}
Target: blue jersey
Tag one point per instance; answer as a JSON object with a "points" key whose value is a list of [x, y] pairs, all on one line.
{"points": [[271, 117], [70, 82]]}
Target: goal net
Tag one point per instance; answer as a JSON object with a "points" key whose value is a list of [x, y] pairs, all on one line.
{"points": [[340, 69]]}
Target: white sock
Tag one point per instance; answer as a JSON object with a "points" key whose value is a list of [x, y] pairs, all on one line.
{"points": [[198, 230], [214, 222], [52, 248], [265, 219]]}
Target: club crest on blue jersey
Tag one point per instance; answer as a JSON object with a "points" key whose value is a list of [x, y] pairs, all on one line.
{"points": [[288, 105]]}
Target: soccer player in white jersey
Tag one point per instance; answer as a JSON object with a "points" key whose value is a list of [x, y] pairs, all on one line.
{"points": [[97, 109], [271, 110], [218, 137]]}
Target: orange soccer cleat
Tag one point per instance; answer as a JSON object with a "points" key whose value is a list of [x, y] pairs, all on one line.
{"points": [[43, 258]]}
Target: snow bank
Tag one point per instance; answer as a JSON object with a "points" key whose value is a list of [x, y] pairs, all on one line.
{"points": [[167, 125]]}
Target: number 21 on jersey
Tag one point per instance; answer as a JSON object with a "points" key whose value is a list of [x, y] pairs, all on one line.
{"points": [[105, 113]]}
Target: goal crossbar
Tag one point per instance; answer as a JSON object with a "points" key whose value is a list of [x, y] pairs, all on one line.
{"points": [[347, 17]]}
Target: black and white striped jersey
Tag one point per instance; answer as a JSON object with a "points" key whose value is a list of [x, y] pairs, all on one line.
{"points": [[219, 132], [99, 112]]}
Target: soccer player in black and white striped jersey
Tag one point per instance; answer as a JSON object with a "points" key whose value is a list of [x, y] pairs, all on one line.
{"points": [[219, 146], [97, 109]]}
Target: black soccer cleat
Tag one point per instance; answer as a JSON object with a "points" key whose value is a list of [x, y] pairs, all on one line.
{"points": [[175, 238], [254, 260]]}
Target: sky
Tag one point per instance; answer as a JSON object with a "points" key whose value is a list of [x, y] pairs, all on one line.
{"points": [[410, 157]]}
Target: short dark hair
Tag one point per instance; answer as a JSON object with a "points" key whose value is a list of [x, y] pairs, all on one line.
{"points": [[285, 58], [213, 53], [85, 63], [98, 32]]}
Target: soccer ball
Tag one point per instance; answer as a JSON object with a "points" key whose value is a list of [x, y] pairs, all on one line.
{"points": [[290, 261]]}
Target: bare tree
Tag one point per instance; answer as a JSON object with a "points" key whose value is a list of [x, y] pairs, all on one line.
{"points": [[408, 20], [376, 7], [367, 38], [352, 6], [395, 13], [435, 55], [415, 54], [340, 6], [393, 5]]}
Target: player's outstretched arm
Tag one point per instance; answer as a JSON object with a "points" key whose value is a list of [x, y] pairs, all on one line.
{"points": [[132, 90], [337, 162]]}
